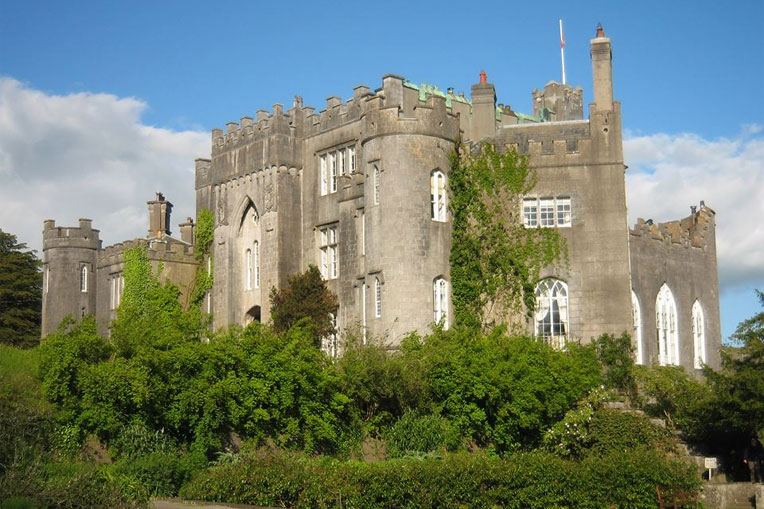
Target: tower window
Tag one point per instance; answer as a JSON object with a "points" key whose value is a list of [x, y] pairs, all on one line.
{"points": [[666, 327], [438, 195], [551, 317], [440, 301], [341, 155], [84, 279], [329, 252], [698, 334], [377, 177], [377, 297]]}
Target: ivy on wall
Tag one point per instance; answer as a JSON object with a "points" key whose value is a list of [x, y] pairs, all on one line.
{"points": [[495, 260]]}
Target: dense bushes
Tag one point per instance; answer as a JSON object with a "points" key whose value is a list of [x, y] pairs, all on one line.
{"points": [[523, 480]]}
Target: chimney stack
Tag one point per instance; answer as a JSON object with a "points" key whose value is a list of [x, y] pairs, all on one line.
{"points": [[159, 217], [602, 70]]}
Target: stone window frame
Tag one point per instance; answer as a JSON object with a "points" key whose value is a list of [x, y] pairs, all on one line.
{"points": [[377, 297], [248, 268], [698, 334], [440, 301], [256, 264], [547, 211], [328, 246], [636, 316], [667, 327], [330, 343], [552, 301], [438, 196], [84, 283], [334, 162], [116, 287]]}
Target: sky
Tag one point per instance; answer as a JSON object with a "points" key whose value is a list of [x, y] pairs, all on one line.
{"points": [[104, 103]]}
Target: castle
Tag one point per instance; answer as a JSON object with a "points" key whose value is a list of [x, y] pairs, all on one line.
{"points": [[360, 190]]}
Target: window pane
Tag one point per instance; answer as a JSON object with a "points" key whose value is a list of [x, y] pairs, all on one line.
{"points": [[546, 212], [530, 212], [563, 211]]}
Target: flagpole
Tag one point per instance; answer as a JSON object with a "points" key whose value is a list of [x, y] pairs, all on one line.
{"points": [[562, 52]]}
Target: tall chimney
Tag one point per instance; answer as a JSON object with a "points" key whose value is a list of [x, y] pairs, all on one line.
{"points": [[483, 109], [159, 217], [602, 70]]}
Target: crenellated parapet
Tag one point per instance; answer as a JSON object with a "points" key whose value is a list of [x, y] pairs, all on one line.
{"points": [[696, 230], [83, 236], [165, 250], [430, 118]]}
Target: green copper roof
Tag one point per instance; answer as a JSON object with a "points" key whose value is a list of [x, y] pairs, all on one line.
{"points": [[426, 89]]}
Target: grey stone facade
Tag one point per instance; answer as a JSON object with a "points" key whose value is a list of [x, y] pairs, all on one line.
{"points": [[350, 188]]}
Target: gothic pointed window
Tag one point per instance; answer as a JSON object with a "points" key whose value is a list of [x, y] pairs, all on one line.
{"points": [[84, 279], [440, 301], [438, 195], [551, 316], [666, 327], [636, 315], [698, 334], [377, 297]]}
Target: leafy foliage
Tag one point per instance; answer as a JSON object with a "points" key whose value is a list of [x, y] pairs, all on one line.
{"points": [[617, 358], [528, 480], [415, 434], [306, 300], [501, 392], [495, 260], [20, 293]]}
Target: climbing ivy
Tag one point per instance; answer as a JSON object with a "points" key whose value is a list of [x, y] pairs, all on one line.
{"points": [[205, 229], [495, 260]]}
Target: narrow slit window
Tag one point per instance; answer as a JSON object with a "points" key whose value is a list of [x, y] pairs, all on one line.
{"points": [[377, 297], [84, 279], [351, 159], [376, 185], [256, 263], [324, 176], [438, 195], [248, 262], [440, 301], [333, 172]]}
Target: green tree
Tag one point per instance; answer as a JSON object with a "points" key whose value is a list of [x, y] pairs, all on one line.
{"points": [[495, 260], [737, 405], [305, 297], [20, 293]]}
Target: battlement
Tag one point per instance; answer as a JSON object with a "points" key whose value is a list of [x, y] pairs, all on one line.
{"points": [[165, 249], [695, 230], [82, 236]]}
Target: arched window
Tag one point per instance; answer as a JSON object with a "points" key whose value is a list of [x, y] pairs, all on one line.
{"points": [[377, 297], [551, 317], [376, 184], [665, 322], [329, 344], [256, 263], [248, 263], [84, 279], [699, 334], [438, 195], [636, 314], [440, 301]]}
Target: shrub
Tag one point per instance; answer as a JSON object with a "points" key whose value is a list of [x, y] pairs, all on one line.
{"points": [[526, 480], [416, 434]]}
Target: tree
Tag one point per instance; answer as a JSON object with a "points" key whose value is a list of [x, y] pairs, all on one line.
{"points": [[20, 293], [495, 260], [738, 388], [307, 298]]}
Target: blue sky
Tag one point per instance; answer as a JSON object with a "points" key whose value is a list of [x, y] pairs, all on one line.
{"points": [[119, 98]]}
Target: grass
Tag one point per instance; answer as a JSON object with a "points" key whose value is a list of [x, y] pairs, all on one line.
{"points": [[18, 377]]}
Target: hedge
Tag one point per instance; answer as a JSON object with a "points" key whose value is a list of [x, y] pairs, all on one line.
{"points": [[524, 480]]}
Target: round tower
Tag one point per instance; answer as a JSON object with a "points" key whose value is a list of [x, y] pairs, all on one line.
{"points": [[407, 167], [69, 272]]}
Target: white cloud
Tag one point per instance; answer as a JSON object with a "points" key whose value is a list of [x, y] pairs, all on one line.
{"points": [[668, 173], [88, 155]]}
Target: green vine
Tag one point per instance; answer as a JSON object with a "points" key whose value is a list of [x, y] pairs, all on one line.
{"points": [[495, 260], [205, 229]]}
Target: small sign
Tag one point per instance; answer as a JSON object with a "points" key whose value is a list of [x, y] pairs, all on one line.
{"points": [[711, 463]]}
